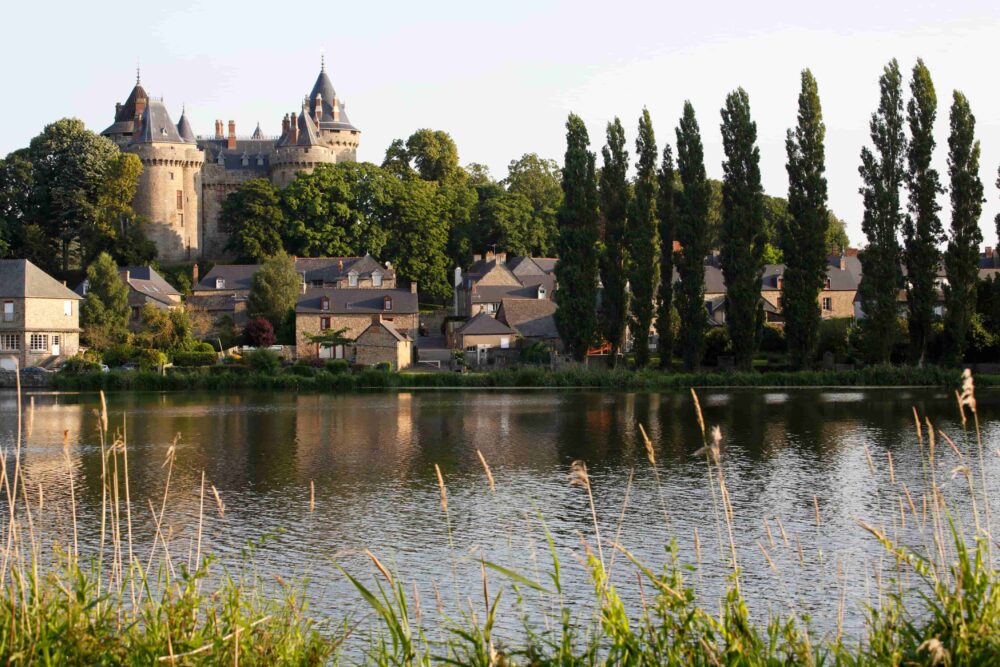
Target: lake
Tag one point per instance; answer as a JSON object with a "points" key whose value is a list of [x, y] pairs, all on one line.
{"points": [[370, 458]]}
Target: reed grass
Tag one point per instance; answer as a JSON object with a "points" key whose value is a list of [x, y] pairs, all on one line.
{"points": [[936, 603]]}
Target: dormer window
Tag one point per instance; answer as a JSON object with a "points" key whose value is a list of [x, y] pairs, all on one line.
{"points": [[245, 161], [541, 291], [828, 282], [387, 303], [260, 160], [352, 278], [220, 159], [376, 279], [324, 303], [220, 283]]}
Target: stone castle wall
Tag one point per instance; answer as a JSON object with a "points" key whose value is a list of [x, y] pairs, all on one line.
{"points": [[169, 197]]}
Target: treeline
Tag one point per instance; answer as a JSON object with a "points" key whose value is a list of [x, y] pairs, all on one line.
{"points": [[66, 197], [621, 232]]}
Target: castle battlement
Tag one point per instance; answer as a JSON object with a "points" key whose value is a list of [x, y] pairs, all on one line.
{"points": [[186, 177]]}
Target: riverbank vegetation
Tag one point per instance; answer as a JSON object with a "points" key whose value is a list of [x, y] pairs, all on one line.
{"points": [[164, 600]]}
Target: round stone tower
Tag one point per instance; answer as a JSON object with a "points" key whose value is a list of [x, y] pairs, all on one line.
{"points": [[330, 114], [169, 191], [299, 149]]}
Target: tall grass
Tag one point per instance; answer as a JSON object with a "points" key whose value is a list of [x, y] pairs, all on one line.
{"points": [[936, 602]]}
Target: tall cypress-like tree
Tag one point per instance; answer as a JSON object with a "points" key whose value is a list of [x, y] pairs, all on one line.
{"points": [[693, 235], [961, 259], [576, 271], [806, 226], [644, 240], [614, 197], [882, 172], [666, 213], [742, 235], [922, 230]]}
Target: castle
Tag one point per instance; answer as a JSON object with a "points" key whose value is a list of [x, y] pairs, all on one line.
{"points": [[186, 178]]}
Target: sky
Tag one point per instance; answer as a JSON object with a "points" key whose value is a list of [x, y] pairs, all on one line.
{"points": [[502, 77]]}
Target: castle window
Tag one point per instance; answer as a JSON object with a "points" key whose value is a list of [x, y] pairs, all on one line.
{"points": [[180, 200], [245, 161], [260, 160], [171, 176], [180, 219]]}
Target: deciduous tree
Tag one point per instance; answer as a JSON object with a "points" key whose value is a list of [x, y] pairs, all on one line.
{"points": [[254, 220], [104, 313], [275, 288]]}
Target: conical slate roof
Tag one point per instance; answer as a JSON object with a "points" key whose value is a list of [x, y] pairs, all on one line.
{"points": [[308, 134], [157, 126], [125, 115], [257, 134], [184, 129], [324, 87]]}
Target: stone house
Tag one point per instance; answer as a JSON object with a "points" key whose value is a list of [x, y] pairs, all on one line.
{"points": [[40, 324], [532, 319], [331, 309], [382, 343], [145, 285], [491, 279], [482, 334]]}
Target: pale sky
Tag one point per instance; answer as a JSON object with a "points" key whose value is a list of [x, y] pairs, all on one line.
{"points": [[501, 77]]}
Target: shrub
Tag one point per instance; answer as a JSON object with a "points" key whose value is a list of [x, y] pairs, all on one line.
{"points": [[536, 353], [772, 339], [80, 364], [833, 338], [717, 343], [337, 366], [191, 359], [148, 358], [264, 361], [259, 332], [302, 370], [118, 355]]}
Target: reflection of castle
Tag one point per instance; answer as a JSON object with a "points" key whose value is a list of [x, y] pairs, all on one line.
{"points": [[186, 178]]}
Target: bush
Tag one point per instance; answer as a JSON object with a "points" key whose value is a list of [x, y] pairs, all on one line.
{"points": [[302, 370], [772, 339], [717, 343], [192, 359], [259, 332], [80, 364], [337, 366], [264, 361], [833, 337], [536, 353], [118, 355], [149, 359]]}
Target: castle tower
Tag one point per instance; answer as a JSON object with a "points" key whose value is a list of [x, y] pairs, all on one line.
{"points": [[335, 129], [300, 148], [169, 191], [127, 115]]}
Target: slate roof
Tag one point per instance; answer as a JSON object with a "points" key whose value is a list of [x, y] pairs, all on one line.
{"points": [[157, 126], [308, 132], [19, 278], [125, 116], [146, 281], [257, 134], [237, 276], [497, 293], [184, 130], [532, 318], [359, 301], [524, 265], [324, 87], [388, 327], [214, 302], [327, 269], [484, 324]]}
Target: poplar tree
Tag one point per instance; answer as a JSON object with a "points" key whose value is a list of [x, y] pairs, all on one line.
{"points": [[806, 227], [614, 198], [666, 215], [961, 259], [882, 172], [576, 271], [644, 240], [692, 234], [922, 230], [742, 235]]}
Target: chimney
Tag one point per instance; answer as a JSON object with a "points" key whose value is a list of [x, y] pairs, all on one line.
{"points": [[231, 143], [293, 129], [218, 129], [413, 287], [477, 258], [501, 258], [377, 318], [340, 266], [989, 252], [336, 109], [194, 274], [319, 107], [843, 262], [490, 255], [118, 107], [284, 125]]}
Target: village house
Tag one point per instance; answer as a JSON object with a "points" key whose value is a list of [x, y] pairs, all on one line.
{"points": [[480, 336], [491, 279], [533, 320], [145, 285], [327, 309], [40, 325], [382, 343]]}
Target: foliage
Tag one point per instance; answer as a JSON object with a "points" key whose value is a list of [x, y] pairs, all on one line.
{"points": [[807, 226], [772, 339], [576, 271], [264, 361], [537, 353], [692, 234], [259, 332], [961, 259], [274, 288], [418, 242], [79, 364], [538, 180], [163, 329], [666, 212], [194, 359], [253, 218], [643, 240], [882, 173], [922, 231], [104, 314], [834, 337], [742, 234], [614, 195], [331, 338], [337, 366], [717, 343]]}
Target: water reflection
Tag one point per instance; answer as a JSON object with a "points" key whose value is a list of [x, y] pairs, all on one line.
{"points": [[371, 458]]}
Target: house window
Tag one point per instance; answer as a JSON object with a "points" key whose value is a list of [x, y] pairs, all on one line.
{"points": [[10, 341], [324, 304], [324, 324], [352, 279], [387, 303], [220, 283], [180, 200], [827, 303], [8, 311], [68, 308], [376, 279], [39, 343], [504, 343]]}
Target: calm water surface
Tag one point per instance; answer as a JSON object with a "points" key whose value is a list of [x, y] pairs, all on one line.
{"points": [[371, 458]]}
